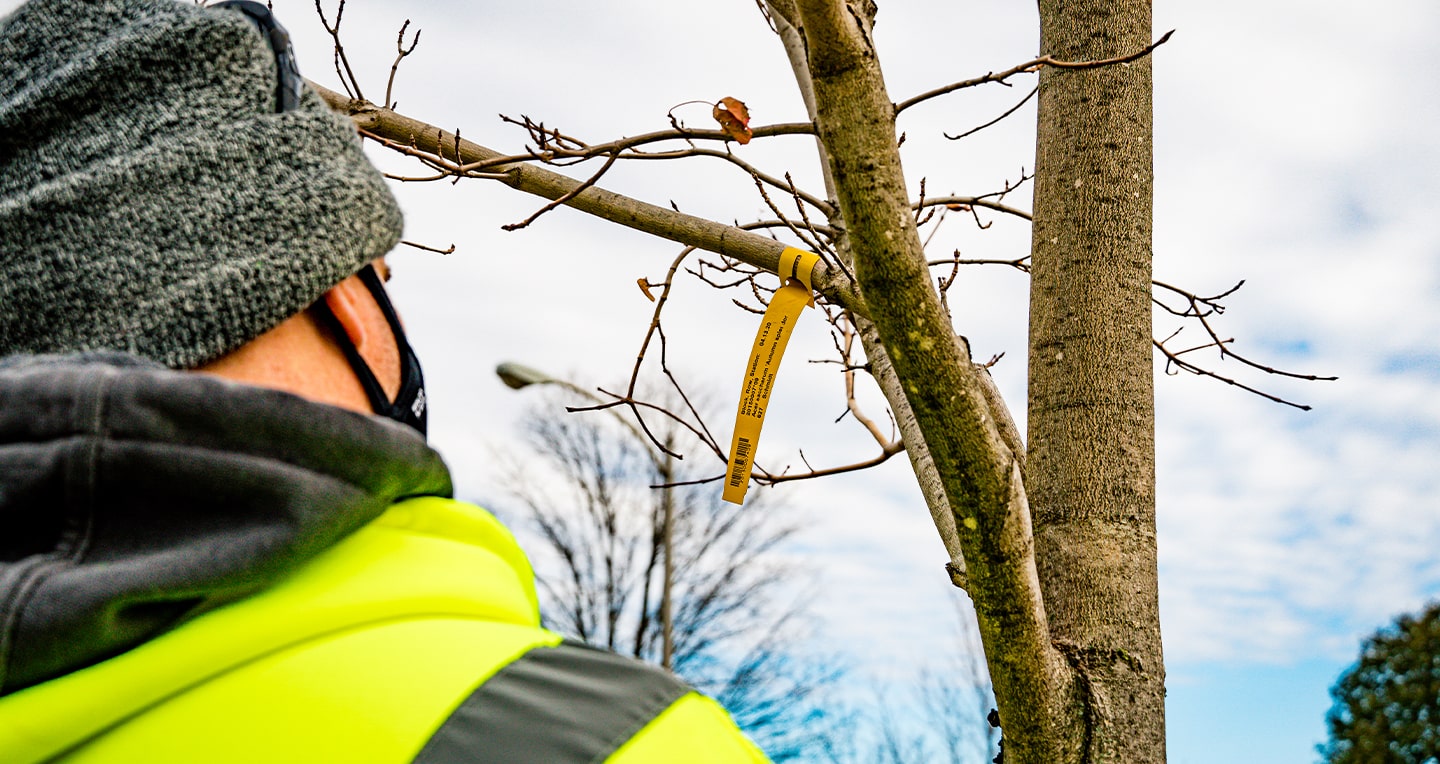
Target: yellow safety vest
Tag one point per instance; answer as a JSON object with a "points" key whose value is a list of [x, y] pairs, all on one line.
{"points": [[415, 639]]}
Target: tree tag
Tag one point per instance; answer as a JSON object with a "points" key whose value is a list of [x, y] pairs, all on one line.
{"points": [[778, 323]]}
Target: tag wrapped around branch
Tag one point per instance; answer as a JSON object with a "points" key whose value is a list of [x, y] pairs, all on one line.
{"points": [[769, 348]]}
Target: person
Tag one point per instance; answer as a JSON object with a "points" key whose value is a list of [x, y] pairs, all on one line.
{"points": [[222, 534]]}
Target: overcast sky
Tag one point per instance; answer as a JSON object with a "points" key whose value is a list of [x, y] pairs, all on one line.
{"points": [[1294, 149]]}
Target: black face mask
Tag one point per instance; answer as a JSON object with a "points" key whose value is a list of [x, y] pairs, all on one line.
{"points": [[409, 406]]}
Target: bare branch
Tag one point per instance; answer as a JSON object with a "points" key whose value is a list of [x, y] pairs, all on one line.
{"points": [[567, 147], [1007, 113], [1029, 67], [1021, 264], [851, 405], [701, 431], [811, 242], [1173, 361], [959, 203], [1198, 308], [730, 241], [565, 198], [400, 53], [347, 77], [823, 206], [446, 251], [888, 451]]}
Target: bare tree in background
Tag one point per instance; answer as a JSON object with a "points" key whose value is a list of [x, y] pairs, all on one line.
{"points": [[592, 492], [942, 714]]}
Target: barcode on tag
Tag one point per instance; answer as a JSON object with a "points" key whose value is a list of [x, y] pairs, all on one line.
{"points": [[742, 456]]}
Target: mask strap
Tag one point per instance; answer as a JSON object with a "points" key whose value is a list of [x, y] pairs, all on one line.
{"points": [[410, 405], [287, 95]]}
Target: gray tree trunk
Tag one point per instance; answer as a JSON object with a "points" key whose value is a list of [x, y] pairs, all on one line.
{"points": [[1091, 467]]}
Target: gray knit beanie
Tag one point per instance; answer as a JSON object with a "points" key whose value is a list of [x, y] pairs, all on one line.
{"points": [[152, 198]]}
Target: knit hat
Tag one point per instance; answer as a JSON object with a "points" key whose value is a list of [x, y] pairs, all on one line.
{"points": [[153, 199]]}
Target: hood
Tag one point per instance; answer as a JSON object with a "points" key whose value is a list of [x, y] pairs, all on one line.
{"points": [[133, 497]]}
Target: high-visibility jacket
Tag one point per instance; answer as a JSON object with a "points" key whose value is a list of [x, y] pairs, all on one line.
{"points": [[415, 637]]}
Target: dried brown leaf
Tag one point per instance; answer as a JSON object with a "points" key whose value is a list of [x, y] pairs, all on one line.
{"points": [[734, 119]]}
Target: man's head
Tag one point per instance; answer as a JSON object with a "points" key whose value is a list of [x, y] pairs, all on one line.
{"points": [[167, 189]]}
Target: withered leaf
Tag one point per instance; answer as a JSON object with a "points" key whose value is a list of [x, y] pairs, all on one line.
{"points": [[734, 119]]}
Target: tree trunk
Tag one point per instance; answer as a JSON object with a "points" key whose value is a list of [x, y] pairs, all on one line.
{"points": [[1091, 469], [981, 475], [786, 19]]}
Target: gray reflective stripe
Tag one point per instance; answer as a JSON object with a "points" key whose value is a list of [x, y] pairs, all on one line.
{"points": [[554, 705]]}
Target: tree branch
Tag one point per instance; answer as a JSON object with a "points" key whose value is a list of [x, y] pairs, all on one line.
{"points": [[982, 477], [927, 475], [1007, 113], [1030, 67], [729, 241]]}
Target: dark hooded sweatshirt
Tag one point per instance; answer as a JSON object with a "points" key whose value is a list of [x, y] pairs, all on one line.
{"points": [[196, 570]]}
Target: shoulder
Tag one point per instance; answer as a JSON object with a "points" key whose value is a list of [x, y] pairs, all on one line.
{"points": [[574, 703]]}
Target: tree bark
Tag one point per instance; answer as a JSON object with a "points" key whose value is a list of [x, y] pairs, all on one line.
{"points": [[982, 477], [1091, 476], [932, 488]]}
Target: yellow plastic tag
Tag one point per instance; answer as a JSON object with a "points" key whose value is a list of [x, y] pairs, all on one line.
{"points": [[797, 264], [776, 326]]}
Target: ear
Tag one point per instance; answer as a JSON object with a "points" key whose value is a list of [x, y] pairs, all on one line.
{"points": [[344, 300]]}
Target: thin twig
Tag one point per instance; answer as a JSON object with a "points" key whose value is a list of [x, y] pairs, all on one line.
{"points": [[347, 78], [1007, 113], [1210, 304], [400, 53], [1199, 309], [958, 203], [851, 404], [1174, 359], [574, 192], [802, 235], [656, 329], [435, 161], [1020, 263], [446, 251], [579, 150], [822, 246], [890, 450], [1029, 67]]}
